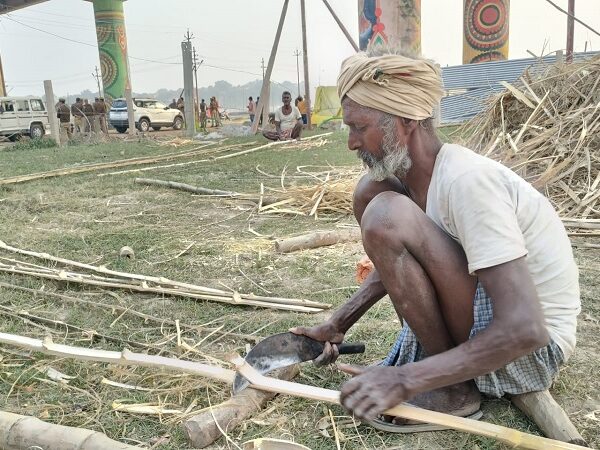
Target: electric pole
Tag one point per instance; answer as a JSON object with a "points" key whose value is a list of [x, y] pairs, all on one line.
{"points": [[262, 65], [97, 77], [196, 65], [305, 56], [570, 30], [297, 55]]}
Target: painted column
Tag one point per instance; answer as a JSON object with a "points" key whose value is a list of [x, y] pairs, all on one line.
{"points": [[112, 46], [393, 22], [485, 30], [2, 85]]}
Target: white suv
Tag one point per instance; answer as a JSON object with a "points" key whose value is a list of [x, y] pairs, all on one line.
{"points": [[23, 116], [148, 113]]}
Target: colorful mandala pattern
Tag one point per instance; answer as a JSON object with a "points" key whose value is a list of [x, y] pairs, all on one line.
{"points": [[486, 29], [109, 69]]}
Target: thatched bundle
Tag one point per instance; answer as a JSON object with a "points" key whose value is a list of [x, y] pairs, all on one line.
{"points": [[546, 128]]}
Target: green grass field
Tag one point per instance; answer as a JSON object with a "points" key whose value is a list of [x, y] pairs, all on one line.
{"points": [[88, 218]]}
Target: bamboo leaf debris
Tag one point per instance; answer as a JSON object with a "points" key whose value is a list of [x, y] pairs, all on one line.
{"points": [[107, 278]]}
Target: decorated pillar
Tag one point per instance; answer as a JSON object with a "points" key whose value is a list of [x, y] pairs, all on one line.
{"points": [[485, 30], [112, 46], [2, 85], [393, 22]]}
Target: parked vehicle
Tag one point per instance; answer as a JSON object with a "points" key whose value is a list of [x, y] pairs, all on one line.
{"points": [[148, 113], [23, 116]]}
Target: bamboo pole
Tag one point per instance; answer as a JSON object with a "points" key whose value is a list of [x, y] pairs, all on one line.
{"points": [[228, 298], [94, 167], [123, 358], [509, 436], [176, 287], [342, 27], [19, 432]]}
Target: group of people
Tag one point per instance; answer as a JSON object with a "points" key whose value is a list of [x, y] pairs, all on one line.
{"points": [[205, 111], [87, 117]]}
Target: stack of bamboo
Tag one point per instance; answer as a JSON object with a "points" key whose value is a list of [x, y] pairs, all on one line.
{"points": [[329, 193], [546, 128], [100, 276]]}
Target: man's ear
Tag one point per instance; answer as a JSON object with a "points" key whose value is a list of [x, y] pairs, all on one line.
{"points": [[406, 127]]}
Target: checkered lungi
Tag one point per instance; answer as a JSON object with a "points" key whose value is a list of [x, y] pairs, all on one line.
{"points": [[533, 372]]}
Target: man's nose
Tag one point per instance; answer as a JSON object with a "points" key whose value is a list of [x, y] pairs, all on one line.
{"points": [[353, 143]]}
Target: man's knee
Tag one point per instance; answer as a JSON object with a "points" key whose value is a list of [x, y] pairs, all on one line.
{"points": [[367, 189], [387, 220]]}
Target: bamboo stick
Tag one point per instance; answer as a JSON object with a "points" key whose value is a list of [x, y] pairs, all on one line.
{"points": [[127, 310], [122, 358], [509, 436], [202, 292], [232, 299], [205, 191], [97, 166]]}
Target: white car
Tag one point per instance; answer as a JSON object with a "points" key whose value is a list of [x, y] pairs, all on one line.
{"points": [[23, 116], [148, 113]]}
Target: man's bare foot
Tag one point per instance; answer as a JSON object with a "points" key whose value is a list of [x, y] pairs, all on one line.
{"points": [[461, 400]]}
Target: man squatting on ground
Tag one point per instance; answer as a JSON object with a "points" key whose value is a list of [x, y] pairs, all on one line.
{"points": [[288, 121], [475, 261]]}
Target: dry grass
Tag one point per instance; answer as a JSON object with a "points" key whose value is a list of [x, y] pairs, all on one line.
{"points": [[210, 242]]}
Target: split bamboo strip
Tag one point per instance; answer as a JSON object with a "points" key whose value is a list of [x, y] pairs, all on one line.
{"points": [[509, 436], [164, 284], [98, 166], [123, 358]]}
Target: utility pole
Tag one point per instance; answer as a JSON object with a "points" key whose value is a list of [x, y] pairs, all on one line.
{"points": [[570, 30], [50, 102], [262, 65], [305, 55], [96, 75], [297, 54], [196, 65], [188, 88]]}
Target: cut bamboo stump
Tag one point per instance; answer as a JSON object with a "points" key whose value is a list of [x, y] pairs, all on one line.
{"points": [[317, 239], [549, 416], [204, 428], [24, 432]]}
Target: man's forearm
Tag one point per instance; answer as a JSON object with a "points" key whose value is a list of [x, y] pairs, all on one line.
{"points": [[369, 293], [490, 350]]}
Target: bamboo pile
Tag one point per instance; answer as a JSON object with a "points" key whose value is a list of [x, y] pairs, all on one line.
{"points": [[547, 129], [107, 278], [329, 193]]}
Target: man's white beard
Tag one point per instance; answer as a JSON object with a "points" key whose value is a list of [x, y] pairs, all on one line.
{"points": [[396, 159]]}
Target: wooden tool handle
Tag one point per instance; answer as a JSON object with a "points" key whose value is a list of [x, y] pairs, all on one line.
{"points": [[350, 349]]}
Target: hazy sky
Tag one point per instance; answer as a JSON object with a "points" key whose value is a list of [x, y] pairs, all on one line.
{"points": [[236, 34]]}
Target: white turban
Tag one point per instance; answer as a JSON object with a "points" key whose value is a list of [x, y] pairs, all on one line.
{"points": [[394, 84]]}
